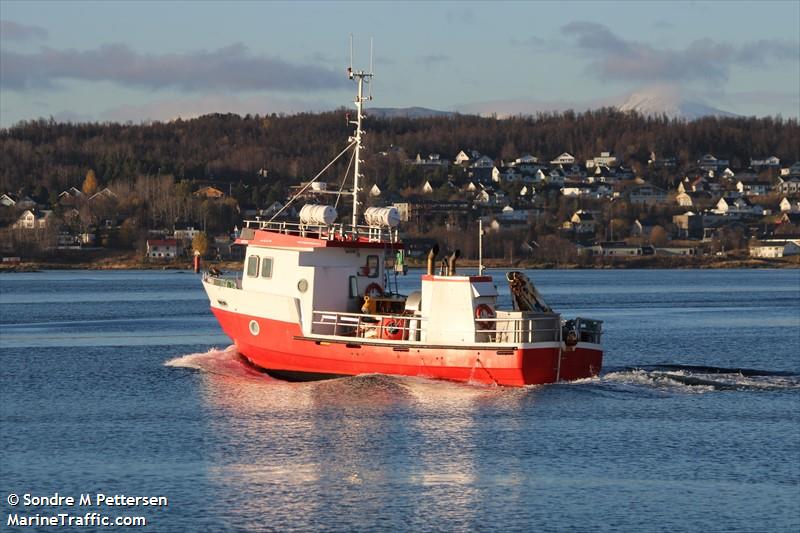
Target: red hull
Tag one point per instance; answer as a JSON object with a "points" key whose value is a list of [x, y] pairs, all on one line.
{"points": [[279, 347]]}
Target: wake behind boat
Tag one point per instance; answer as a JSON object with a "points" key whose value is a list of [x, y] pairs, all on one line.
{"points": [[313, 301]]}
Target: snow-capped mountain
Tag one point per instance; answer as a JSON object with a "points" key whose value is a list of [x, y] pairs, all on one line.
{"points": [[671, 104]]}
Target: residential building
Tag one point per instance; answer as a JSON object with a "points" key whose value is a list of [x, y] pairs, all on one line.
{"points": [[103, 194], [775, 248], [564, 159], [606, 159], [581, 222], [689, 225], [646, 194], [620, 249], [709, 162], [34, 219], [769, 162], [732, 206], [753, 187], [788, 185], [790, 206], [162, 249]]}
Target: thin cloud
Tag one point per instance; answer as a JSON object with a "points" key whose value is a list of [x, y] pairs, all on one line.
{"points": [[14, 31], [430, 60], [702, 60], [231, 68], [532, 41]]}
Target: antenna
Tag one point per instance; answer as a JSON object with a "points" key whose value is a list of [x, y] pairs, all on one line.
{"points": [[360, 77], [370, 66], [350, 68]]}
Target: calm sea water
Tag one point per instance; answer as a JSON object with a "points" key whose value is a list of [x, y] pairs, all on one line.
{"points": [[122, 383]]}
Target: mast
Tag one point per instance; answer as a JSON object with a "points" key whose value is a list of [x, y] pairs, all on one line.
{"points": [[360, 77]]}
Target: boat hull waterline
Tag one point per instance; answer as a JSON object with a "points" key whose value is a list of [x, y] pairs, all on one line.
{"points": [[281, 350]]}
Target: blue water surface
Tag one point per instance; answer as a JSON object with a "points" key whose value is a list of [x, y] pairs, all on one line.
{"points": [[122, 383]]}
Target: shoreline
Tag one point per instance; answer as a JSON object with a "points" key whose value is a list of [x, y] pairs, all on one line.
{"points": [[129, 261]]}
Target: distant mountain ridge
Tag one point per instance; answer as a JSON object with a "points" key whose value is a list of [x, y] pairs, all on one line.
{"points": [[407, 112], [651, 102]]}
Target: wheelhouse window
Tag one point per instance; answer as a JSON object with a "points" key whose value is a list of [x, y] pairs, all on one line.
{"points": [[266, 267], [252, 266], [371, 269], [353, 287]]}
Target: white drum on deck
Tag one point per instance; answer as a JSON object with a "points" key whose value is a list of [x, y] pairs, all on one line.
{"points": [[322, 215], [382, 216]]}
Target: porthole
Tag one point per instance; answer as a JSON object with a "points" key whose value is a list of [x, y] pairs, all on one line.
{"points": [[254, 329], [302, 285]]}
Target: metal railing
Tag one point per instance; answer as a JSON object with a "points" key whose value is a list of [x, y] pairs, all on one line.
{"points": [[588, 330], [360, 325], [227, 282], [512, 330], [519, 329], [331, 232]]}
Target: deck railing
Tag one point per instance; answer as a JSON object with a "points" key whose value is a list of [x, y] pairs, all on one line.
{"points": [[330, 232], [589, 330], [519, 329], [360, 325], [507, 330], [219, 281]]}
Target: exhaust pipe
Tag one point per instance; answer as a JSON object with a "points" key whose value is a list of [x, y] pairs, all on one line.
{"points": [[432, 257], [451, 262]]}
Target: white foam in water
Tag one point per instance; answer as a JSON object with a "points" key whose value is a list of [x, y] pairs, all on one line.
{"points": [[656, 380], [700, 382], [225, 362]]}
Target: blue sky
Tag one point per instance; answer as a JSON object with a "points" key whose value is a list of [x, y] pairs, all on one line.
{"points": [[157, 60]]}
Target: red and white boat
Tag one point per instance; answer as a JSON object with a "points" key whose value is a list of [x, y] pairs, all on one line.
{"points": [[313, 302]]}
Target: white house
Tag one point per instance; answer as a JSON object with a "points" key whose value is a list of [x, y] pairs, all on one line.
{"points": [[564, 159], [737, 206], [7, 200], [790, 206], [187, 233], [162, 249], [768, 162], [462, 157], [606, 159], [772, 248], [619, 249], [683, 199], [33, 218], [103, 194], [789, 185]]}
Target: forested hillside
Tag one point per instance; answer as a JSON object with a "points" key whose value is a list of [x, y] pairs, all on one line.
{"points": [[233, 149]]}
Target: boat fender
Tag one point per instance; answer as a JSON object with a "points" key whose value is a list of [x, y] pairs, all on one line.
{"points": [[571, 338], [481, 312], [373, 289]]}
